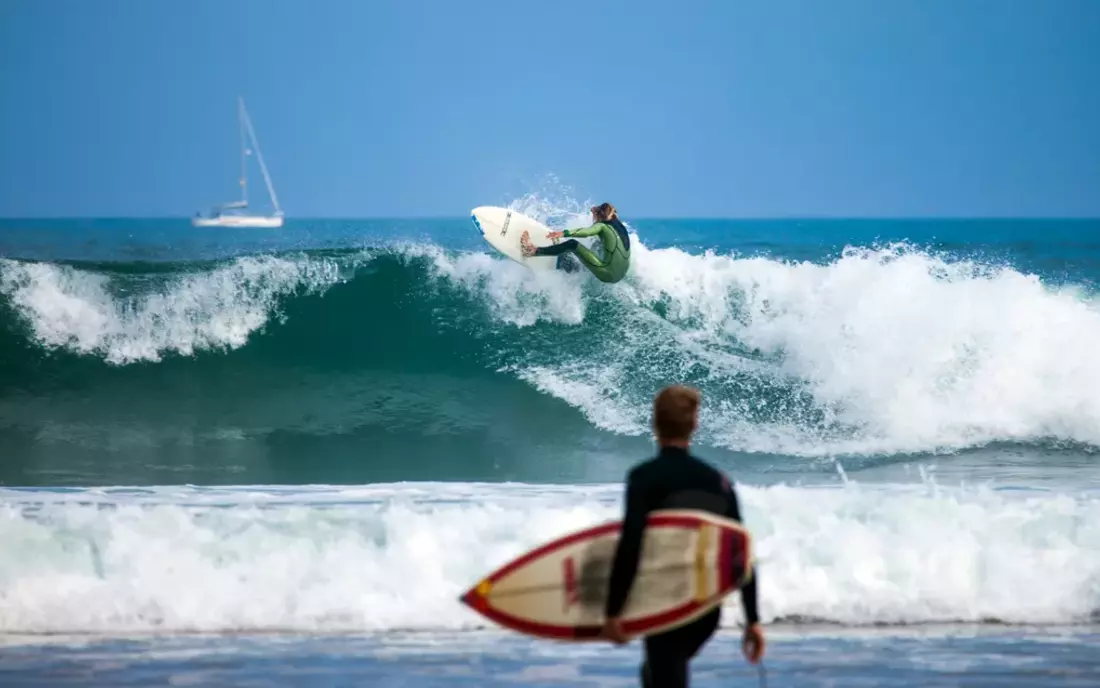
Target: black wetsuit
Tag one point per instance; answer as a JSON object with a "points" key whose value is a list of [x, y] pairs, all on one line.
{"points": [[672, 480]]}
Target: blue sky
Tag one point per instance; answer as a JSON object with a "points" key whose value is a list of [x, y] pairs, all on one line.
{"points": [[688, 108]]}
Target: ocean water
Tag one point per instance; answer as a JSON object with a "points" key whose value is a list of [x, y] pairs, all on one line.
{"points": [[276, 457]]}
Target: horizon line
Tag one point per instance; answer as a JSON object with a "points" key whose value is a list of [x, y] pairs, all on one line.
{"points": [[705, 218]]}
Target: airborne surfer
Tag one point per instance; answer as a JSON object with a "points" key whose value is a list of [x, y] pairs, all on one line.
{"points": [[674, 479], [614, 239]]}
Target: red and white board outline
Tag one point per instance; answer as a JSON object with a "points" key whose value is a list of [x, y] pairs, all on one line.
{"points": [[690, 561]]}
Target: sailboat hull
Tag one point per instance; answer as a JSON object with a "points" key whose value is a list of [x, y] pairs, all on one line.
{"points": [[237, 221]]}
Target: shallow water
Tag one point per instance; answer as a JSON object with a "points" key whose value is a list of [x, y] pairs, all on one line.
{"points": [[942, 656]]}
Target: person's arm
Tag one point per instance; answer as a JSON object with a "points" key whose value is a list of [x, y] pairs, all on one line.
{"points": [[583, 233], [625, 565], [753, 643], [748, 590]]}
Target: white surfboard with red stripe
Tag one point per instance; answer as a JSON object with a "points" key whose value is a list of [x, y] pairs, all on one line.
{"points": [[690, 561]]}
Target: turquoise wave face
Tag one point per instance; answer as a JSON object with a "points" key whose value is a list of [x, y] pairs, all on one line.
{"points": [[419, 361]]}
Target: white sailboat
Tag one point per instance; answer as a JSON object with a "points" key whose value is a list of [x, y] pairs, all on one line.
{"points": [[233, 214]]}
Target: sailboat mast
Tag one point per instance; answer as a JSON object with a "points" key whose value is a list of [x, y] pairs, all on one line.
{"points": [[260, 158], [244, 151]]}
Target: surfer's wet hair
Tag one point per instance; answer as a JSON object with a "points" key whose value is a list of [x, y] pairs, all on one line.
{"points": [[604, 212], [675, 411]]}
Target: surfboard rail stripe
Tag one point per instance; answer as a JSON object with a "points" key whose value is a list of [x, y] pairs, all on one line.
{"points": [[684, 612]]}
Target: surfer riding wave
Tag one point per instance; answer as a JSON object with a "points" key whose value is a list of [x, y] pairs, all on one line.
{"points": [[612, 266]]}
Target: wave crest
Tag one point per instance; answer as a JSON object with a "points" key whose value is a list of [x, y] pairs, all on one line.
{"points": [[881, 351]]}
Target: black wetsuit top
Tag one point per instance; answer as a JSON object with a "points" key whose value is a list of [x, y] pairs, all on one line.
{"points": [[673, 480]]}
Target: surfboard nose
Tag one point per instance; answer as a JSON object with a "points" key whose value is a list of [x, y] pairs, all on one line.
{"points": [[481, 211], [468, 597], [480, 214], [476, 597], [474, 601]]}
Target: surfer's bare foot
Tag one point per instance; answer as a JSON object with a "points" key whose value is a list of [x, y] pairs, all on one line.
{"points": [[525, 244]]}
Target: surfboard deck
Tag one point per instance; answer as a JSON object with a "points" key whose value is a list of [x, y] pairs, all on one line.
{"points": [[690, 561], [502, 228]]}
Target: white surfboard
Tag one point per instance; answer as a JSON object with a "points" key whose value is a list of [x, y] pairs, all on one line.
{"points": [[502, 228], [690, 561]]}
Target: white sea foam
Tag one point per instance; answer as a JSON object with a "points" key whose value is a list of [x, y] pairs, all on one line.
{"points": [[79, 310], [511, 293], [397, 556], [892, 350]]}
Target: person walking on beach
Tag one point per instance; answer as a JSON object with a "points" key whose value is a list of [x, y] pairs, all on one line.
{"points": [[674, 479]]}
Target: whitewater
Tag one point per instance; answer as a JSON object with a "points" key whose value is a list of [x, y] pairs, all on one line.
{"points": [[335, 429], [396, 557]]}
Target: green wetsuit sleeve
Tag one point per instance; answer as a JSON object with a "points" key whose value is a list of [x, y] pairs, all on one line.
{"points": [[586, 232]]}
